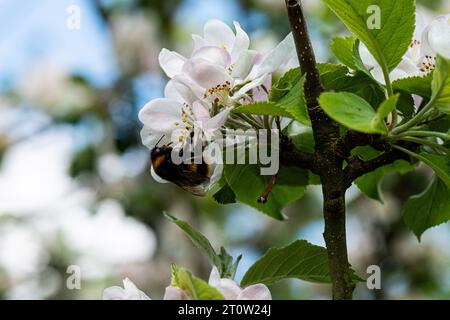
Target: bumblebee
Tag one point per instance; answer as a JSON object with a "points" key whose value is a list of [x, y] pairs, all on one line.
{"points": [[191, 177]]}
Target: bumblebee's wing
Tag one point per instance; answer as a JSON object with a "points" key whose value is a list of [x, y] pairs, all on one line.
{"points": [[194, 179], [199, 190]]}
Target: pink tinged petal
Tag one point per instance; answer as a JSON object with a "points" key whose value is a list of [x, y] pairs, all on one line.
{"points": [[214, 55], [261, 93], [113, 293], [161, 115], [171, 62], [244, 64], [201, 113], [241, 42], [278, 56], [174, 293], [207, 75], [417, 101], [218, 120], [255, 292], [439, 36], [219, 34], [229, 289]]}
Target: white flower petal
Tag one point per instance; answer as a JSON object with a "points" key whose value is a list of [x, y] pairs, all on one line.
{"points": [[229, 289], [244, 64], [179, 91], [198, 42], [218, 120], [277, 56], [260, 93], [113, 293], [219, 34], [174, 293], [171, 62], [377, 74], [241, 42], [255, 292], [214, 277], [194, 87], [214, 55], [129, 292], [206, 74], [201, 113], [366, 57], [439, 36], [150, 138], [161, 115], [250, 86]]}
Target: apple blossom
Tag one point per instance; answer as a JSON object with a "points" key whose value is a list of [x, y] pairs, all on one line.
{"points": [[232, 291], [420, 58], [128, 292], [229, 289], [222, 69], [222, 72]]}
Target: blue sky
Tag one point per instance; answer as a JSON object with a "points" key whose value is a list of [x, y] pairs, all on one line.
{"points": [[37, 32]]}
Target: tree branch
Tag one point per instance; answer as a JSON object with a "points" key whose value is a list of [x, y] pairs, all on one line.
{"points": [[290, 156], [357, 167], [329, 155]]}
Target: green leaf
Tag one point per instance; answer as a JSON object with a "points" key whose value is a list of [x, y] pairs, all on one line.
{"points": [[225, 195], [334, 76], [223, 261], [197, 238], [342, 48], [370, 183], [196, 288], [388, 43], [440, 125], [294, 102], [441, 85], [304, 140], [285, 84], [287, 99], [387, 107], [440, 164], [415, 85], [248, 185], [265, 108], [406, 106], [300, 260], [337, 78], [352, 111], [428, 209]]}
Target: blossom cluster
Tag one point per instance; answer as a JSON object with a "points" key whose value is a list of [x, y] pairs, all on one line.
{"points": [[429, 40], [229, 289], [221, 73]]}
